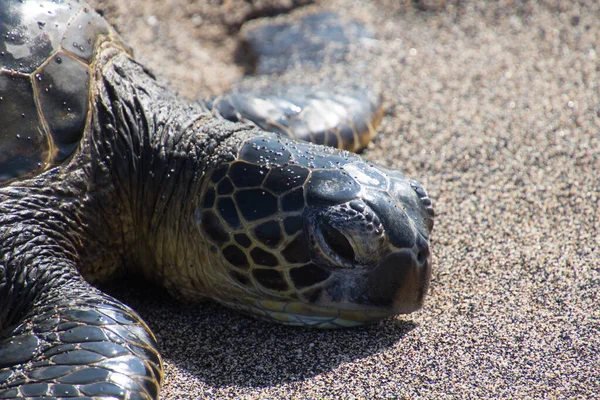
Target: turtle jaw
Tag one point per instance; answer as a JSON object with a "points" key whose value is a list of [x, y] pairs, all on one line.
{"points": [[401, 281], [398, 285]]}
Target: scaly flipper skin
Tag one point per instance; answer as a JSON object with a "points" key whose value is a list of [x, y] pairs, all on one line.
{"points": [[75, 342], [345, 118], [283, 230], [61, 336]]}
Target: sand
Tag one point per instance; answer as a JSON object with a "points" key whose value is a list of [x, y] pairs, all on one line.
{"points": [[495, 107]]}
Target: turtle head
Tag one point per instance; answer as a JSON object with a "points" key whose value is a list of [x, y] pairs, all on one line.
{"points": [[308, 235]]}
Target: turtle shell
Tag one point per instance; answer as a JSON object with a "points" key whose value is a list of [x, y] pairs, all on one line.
{"points": [[46, 49]]}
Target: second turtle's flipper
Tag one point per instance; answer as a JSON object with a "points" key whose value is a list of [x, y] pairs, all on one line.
{"points": [[345, 118], [287, 48]]}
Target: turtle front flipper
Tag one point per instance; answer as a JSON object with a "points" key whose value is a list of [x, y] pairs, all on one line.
{"points": [[342, 118], [75, 341]]}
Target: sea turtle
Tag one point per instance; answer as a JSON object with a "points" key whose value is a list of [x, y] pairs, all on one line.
{"points": [[103, 170]]}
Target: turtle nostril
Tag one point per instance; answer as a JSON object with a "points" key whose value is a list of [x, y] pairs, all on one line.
{"points": [[338, 242], [422, 256]]}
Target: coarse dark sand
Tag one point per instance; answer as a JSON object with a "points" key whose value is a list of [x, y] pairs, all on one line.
{"points": [[495, 107]]}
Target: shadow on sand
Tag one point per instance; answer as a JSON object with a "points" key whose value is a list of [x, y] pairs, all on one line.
{"points": [[224, 348]]}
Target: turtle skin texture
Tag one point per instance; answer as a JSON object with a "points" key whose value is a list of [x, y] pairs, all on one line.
{"points": [[345, 120], [103, 172]]}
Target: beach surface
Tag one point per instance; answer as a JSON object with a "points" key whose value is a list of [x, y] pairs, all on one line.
{"points": [[495, 108]]}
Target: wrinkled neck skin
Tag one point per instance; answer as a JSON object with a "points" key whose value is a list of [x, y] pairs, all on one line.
{"points": [[152, 150]]}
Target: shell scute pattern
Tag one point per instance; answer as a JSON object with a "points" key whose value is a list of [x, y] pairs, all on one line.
{"points": [[79, 38], [45, 62], [23, 148], [62, 87], [33, 31]]}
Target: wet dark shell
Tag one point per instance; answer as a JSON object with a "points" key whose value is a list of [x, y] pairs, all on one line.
{"points": [[46, 51]]}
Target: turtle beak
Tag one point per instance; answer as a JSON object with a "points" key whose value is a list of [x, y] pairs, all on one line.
{"points": [[396, 283], [400, 282], [376, 248], [401, 279]]}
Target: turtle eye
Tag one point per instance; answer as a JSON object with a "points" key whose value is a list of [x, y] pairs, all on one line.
{"points": [[338, 242]]}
